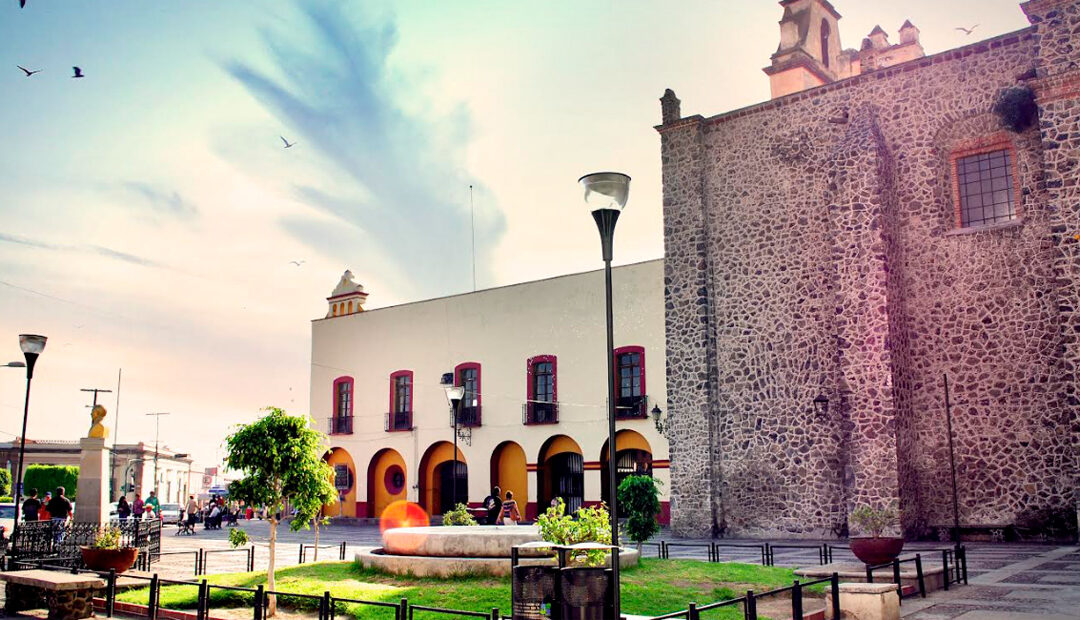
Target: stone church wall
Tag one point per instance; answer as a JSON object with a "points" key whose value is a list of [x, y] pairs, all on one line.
{"points": [[811, 246]]}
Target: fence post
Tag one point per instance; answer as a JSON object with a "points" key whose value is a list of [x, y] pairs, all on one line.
{"points": [[963, 554], [896, 575], [834, 585], [199, 615], [751, 605], [251, 559], [151, 602], [919, 574], [403, 610], [692, 612], [869, 574], [301, 558], [796, 601], [324, 606], [110, 593], [343, 550], [494, 613], [258, 602], [945, 567]]}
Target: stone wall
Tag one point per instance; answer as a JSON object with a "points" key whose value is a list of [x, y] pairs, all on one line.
{"points": [[812, 248]]}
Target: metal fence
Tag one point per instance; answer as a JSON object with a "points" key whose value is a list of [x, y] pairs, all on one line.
{"points": [[749, 601], [58, 542]]}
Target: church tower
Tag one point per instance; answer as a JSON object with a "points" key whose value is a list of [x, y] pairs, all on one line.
{"points": [[809, 54], [348, 297]]}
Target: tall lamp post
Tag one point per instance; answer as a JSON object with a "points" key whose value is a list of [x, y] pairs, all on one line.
{"points": [[157, 427], [606, 194], [454, 396], [32, 345]]}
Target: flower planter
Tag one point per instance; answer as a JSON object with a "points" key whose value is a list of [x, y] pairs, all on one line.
{"points": [[104, 559], [874, 551]]}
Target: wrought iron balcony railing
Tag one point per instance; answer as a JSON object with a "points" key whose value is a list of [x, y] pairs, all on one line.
{"points": [[467, 417], [538, 412], [341, 425], [631, 407], [398, 421]]}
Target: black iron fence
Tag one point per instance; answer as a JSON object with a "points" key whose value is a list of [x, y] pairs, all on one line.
{"points": [[749, 601], [339, 548], [58, 542]]}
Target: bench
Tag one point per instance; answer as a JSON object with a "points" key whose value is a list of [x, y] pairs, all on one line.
{"points": [[66, 596]]}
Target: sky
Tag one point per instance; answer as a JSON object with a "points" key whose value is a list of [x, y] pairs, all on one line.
{"points": [[150, 214]]}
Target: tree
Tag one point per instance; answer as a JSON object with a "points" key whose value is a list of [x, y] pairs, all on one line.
{"points": [[639, 500], [279, 456], [5, 482], [48, 477]]}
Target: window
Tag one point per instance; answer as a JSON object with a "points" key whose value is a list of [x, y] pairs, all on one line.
{"points": [[341, 421], [541, 406], [985, 186], [630, 382], [467, 375], [826, 32], [400, 416]]}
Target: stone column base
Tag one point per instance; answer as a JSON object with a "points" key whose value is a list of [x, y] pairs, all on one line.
{"points": [[62, 604], [866, 601]]}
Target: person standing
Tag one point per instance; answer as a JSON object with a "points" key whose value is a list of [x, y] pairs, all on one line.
{"points": [[43, 511], [152, 502], [493, 506], [137, 507], [511, 515], [123, 508], [59, 507], [191, 510], [31, 506]]}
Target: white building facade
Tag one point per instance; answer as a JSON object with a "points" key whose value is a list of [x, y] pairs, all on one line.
{"points": [[534, 417]]}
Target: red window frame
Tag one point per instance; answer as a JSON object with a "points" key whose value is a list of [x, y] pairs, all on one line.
{"points": [[392, 412], [479, 390], [530, 387], [337, 404], [644, 391], [998, 141], [338, 425]]}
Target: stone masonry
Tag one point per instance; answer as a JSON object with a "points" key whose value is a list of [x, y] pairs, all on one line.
{"points": [[812, 247]]}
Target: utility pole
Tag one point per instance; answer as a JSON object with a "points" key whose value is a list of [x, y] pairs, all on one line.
{"points": [[157, 427], [95, 391]]}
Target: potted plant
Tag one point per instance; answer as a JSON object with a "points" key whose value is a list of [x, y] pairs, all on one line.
{"points": [[106, 552], [875, 548]]}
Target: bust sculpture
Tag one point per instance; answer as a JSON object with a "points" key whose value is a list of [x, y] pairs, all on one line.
{"points": [[97, 429]]}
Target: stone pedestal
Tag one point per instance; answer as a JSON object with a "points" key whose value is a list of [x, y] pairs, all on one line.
{"points": [[866, 601], [92, 501]]}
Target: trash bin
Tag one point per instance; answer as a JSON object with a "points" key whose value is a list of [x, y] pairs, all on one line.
{"points": [[534, 592], [584, 592]]}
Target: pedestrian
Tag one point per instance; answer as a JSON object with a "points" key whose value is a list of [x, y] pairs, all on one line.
{"points": [[59, 507], [123, 508], [153, 501], [511, 515], [31, 506], [138, 507], [493, 505], [192, 510], [43, 512]]}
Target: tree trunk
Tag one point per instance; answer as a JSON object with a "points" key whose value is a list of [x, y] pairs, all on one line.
{"points": [[272, 599], [640, 546], [316, 538]]}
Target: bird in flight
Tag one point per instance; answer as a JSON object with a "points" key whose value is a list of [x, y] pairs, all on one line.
{"points": [[287, 143], [78, 72], [29, 72], [967, 31], [297, 262]]}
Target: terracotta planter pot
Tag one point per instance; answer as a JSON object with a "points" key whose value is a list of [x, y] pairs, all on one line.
{"points": [[104, 559], [873, 551]]}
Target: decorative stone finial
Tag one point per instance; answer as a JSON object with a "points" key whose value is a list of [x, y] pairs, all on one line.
{"points": [[670, 107], [97, 429]]}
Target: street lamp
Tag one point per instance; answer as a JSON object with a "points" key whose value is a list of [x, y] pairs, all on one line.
{"points": [[821, 405], [32, 345], [454, 395], [606, 194], [15, 365], [157, 427]]}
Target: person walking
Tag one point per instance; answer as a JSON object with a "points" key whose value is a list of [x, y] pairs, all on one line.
{"points": [[493, 505], [123, 508], [511, 515], [192, 510], [138, 507], [31, 506], [43, 511], [152, 502]]}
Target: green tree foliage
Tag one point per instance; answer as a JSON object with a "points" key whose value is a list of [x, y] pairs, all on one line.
{"points": [[48, 477], [458, 516], [591, 525], [639, 501], [5, 482], [280, 458]]}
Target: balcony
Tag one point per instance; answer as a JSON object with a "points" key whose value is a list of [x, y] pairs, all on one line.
{"points": [[535, 412], [341, 425], [468, 417], [398, 421], [631, 407]]}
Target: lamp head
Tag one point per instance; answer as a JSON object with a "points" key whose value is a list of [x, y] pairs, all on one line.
{"points": [[32, 343], [821, 404], [606, 190], [454, 394]]}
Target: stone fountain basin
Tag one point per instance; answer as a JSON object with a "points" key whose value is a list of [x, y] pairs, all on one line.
{"points": [[447, 567], [461, 541]]}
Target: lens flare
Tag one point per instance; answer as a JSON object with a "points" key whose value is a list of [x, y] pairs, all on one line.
{"points": [[403, 514]]}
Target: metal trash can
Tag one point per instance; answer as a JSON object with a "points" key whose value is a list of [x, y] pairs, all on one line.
{"points": [[585, 592], [533, 592]]}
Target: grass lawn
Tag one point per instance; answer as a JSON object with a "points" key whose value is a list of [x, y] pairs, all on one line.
{"points": [[655, 587]]}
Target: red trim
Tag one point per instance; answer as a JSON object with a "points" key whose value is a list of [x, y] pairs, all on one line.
{"points": [[334, 399], [664, 518], [615, 362], [997, 141], [344, 295], [530, 511], [479, 390], [393, 401], [530, 386]]}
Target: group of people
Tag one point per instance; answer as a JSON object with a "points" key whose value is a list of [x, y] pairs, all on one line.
{"points": [[54, 506], [139, 509], [500, 511]]}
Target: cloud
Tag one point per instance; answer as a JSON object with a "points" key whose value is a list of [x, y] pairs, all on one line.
{"points": [[163, 201], [403, 181], [85, 249]]}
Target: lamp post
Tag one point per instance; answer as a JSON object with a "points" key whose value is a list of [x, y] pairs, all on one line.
{"points": [[606, 194], [32, 345], [454, 396], [157, 426]]}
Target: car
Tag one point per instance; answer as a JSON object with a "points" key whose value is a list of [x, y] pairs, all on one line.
{"points": [[170, 513], [113, 513], [7, 519]]}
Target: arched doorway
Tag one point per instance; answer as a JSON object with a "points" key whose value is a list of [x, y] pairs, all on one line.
{"points": [[509, 472], [386, 481], [437, 478], [633, 457], [560, 472], [344, 480]]}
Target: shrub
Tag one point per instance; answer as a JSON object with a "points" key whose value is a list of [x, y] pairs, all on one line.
{"points": [[1049, 521], [1016, 108], [48, 477], [107, 538], [592, 525], [458, 516], [639, 501], [5, 482], [238, 537], [874, 520]]}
